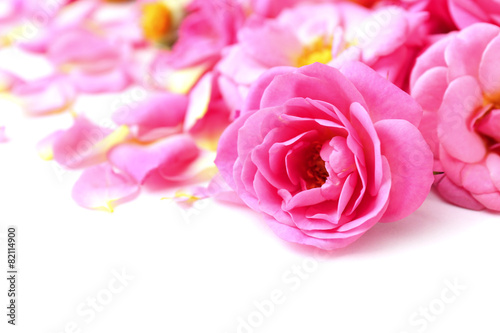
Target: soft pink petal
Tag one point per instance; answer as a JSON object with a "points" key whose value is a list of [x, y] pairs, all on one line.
{"points": [[411, 164], [476, 179], [471, 42], [314, 82], [46, 95], [157, 111], [457, 195], [489, 200], [173, 155], [385, 102], [489, 72], [493, 164], [432, 57], [100, 186], [85, 143], [461, 99]]}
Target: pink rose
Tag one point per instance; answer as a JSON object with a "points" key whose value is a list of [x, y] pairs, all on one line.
{"points": [[468, 12], [457, 81], [387, 39], [325, 154]]}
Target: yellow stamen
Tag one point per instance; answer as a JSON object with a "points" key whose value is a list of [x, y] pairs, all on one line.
{"points": [[318, 51], [157, 21]]}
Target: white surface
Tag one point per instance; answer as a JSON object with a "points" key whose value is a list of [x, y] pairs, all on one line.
{"points": [[204, 269]]}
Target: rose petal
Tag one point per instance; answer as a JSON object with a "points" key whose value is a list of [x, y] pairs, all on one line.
{"points": [[173, 154], [85, 143], [99, 187], [385, 102], [457, 195], [411, 163], [461, 99]]}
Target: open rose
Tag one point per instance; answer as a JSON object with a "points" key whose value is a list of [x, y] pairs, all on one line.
{"points": [[324, 154], [457, 82]]}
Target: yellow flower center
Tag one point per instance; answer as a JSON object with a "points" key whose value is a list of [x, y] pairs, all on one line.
{"points": [[318, 51], [156, 21]]}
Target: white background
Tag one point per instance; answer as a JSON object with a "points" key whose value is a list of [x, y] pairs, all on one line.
{"points": [[205, 269]]}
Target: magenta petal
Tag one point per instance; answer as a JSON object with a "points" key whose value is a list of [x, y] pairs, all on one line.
{"points": [[295, 235], [100, 186], [490, 125], [253, 101], [227, 151], [269, 200], [467, 12], [411, 162], [371, 145], [337, 238], [303, 199], [317, 82], [346, 194]]}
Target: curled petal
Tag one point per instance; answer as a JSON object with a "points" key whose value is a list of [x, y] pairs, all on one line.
{"points": [[172, 155]]}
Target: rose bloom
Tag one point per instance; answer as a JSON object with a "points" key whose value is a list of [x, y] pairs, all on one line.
{"points": [[457, 82], [325, 154], [387, 39]]}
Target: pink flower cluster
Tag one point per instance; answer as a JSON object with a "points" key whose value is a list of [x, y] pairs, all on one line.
{"points": [[326, 116]]}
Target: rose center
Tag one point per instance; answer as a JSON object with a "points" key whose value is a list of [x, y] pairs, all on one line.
{"points": [[316, 173], [318, 51], [156, 21]]}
